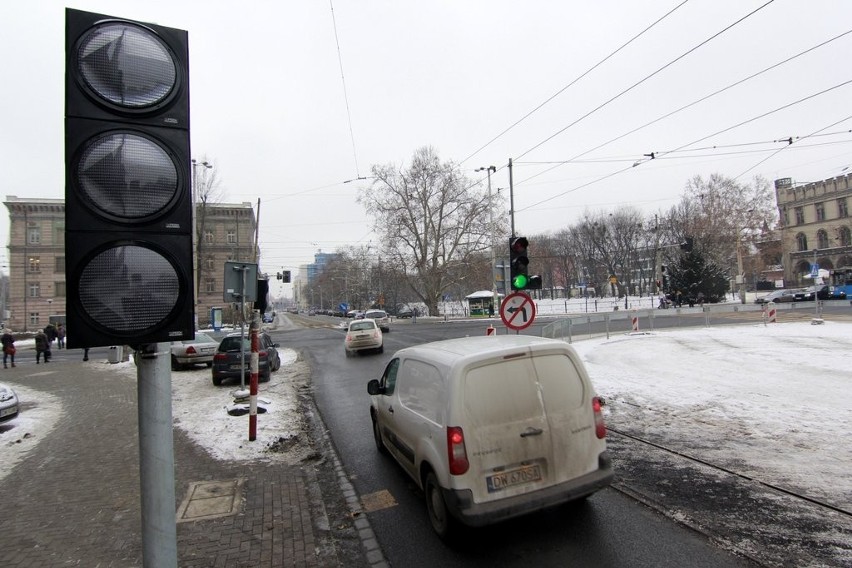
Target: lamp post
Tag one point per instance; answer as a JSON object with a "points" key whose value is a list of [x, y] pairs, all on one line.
{"points": [[195, 264], [494, 298]]}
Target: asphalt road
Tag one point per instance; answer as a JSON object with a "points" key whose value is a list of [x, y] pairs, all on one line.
{"points": [[609, 529]]}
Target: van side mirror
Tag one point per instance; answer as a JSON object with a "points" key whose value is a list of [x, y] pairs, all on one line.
{"points": [[374, 388]]}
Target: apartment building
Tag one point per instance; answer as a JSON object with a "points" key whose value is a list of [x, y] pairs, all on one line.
{"points": [[815, 226]]}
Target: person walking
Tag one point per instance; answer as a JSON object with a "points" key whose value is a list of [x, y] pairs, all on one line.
{"points": [[42, 346], [50, 332], [60, 336], [8, 341]]}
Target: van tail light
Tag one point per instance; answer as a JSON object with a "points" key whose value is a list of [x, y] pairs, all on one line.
{"points": [[600, 427], [457, 451]]}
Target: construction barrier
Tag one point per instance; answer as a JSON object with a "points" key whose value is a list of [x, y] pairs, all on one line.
{"points": [[490, 330], [771, 312], [635, 319]]}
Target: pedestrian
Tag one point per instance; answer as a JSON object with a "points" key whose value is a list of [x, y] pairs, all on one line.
{"points": [[8, 341], [60, 336], [85, 353], [42, 346], [50, 332]]}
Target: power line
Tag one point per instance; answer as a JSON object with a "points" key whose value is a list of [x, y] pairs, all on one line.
{"points": [[345, 94], [655, 154], [563, 89], [647, 77], [693, 103]]}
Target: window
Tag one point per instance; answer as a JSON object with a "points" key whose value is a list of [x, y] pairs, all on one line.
{"points": [[822, 239], [842, 208], [59, 232], [210, 285], [786, 217], [59, 288], [232, 237], [34, 264], [389, 378], [210, 263], [800, 215], [845, 236], [820, 211], [34, 319], [59, 264], [33, 236], [801, 242], [35, 290], [209, 237]]}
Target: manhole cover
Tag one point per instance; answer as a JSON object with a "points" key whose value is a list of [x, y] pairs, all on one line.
{"points": [[210, 500]]}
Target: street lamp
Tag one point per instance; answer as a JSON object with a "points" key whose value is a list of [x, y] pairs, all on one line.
{"points": [[494, 299]]}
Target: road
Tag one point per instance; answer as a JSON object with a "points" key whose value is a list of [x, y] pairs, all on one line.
{"points": [[609, 529]]}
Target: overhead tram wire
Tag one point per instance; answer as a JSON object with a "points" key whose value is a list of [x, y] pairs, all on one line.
{"points": [[693, 103], [646, 78], [663, 153], [563, 89], [790, 144], [345, 94]]}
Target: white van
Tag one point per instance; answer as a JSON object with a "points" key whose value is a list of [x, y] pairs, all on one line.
{"points": [[491, 427]]}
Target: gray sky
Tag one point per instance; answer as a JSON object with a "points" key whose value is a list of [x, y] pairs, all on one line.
{"points": [[268, 105]]}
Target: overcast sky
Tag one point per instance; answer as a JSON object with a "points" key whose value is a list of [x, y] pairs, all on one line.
{"points": [[270, 111]]}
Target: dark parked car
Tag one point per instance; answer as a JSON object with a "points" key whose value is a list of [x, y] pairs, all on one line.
{"points": [[822, 293], [227, 364]]}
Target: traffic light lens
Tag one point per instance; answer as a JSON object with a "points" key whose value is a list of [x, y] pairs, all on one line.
{"points": [[126, 177], [129, 288], [126, 66], [520, 282]]}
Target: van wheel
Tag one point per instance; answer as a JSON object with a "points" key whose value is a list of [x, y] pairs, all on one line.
{"points": [[377, 436], [444, 524]]}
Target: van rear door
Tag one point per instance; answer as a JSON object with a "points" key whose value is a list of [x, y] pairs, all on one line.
{"points": [[507, 435], [567, 396]]}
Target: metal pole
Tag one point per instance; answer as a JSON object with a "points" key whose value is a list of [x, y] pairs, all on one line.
{"points": [[243, 331], [156, 456], [740, 266], [511, 199], [255, 363]]}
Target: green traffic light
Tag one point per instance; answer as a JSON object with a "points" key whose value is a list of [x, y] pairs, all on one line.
{"points": [[520, 282]]}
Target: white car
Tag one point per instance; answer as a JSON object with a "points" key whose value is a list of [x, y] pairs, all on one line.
{"points": [[8, 403], [363, 335], [381, 318], [491, 428], [189, 352]]}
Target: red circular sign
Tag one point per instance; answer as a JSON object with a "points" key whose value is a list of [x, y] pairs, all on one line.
{"points": [[517, 311]]}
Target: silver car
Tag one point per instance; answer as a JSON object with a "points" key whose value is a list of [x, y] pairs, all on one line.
{"points": [[380, 317], [191, 352], [8, 403]]}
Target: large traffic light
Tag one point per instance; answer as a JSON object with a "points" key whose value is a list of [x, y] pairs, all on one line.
{"points": [[128, 200], [519, 264]]}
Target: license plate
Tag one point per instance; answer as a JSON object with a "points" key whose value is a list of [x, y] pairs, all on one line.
{"points": [[519, 476], [236, 367]]}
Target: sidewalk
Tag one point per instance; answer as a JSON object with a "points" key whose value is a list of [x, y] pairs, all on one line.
{"points": [[75, 498]]}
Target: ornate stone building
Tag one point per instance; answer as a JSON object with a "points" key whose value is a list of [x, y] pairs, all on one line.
{"points": [[36, 253], [815, 226]]}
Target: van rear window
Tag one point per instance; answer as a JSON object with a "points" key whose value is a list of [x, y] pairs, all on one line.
{"points": [[560, 382], [502, 392]]}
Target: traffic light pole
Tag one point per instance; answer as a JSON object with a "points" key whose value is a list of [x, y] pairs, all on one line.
{"points": [[156, 456], [511, 200]]}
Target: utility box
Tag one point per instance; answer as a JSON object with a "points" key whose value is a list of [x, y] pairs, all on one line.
{"points": [[115, 352]]}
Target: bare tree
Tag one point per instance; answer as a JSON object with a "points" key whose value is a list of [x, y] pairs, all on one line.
{"points": [[207, 189], [432, 220]]}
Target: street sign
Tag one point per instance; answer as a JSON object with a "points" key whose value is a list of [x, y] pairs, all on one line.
{"points": [[517, 311]]}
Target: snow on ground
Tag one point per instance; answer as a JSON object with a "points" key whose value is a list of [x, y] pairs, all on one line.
{"points": [[772, 402]]}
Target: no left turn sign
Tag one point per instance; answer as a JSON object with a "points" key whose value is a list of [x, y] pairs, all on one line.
{"points": [[517, 311]]}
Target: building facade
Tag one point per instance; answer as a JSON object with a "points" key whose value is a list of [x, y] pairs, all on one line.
{"points": [[36, 253], [815, 226]]}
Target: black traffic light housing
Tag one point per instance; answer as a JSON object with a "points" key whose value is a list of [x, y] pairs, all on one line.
{"points": [[519, 266], [284, 276], [128, 200]]}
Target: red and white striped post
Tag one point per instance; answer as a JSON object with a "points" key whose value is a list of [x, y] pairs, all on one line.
{"points": [[772, 313], [253, 366], [490, 330], [635, 319]]}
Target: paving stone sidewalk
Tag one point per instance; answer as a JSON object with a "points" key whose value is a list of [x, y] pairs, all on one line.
{"points": [[75, 499]]}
